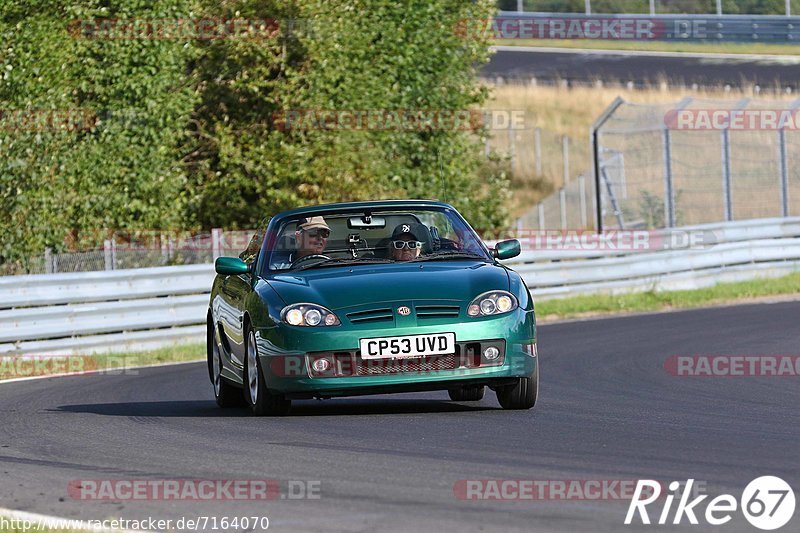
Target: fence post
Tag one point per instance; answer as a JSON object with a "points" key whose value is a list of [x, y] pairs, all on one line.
{"points": [[565, 153], [537, 146], [216, 240], [562, 200], [784, 169], [669, 197], [109, 262], [512, 149], [541, 216], [48, 260], [726, 174], [582, 191]]}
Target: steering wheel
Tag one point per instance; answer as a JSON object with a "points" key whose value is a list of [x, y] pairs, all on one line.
{"points": [[301, 260]]}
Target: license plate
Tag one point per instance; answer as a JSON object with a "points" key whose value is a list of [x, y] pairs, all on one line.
{"points": [[408, 346]]}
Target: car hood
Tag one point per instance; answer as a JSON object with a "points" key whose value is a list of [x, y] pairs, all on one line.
{"points": [[338, 287]]}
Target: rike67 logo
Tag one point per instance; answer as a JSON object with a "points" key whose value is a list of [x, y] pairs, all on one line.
{"points": [[767, 502]]}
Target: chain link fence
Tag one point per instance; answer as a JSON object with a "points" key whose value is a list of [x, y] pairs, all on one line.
{"points": [[691, 162], [124, 250]]}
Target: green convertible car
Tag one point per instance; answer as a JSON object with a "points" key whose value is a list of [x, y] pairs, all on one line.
{"points": [[370, 298]]}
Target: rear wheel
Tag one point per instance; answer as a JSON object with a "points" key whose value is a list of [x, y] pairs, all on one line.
{"points": [[467, 394], [225, 394], [259, 398], [523, 394]]}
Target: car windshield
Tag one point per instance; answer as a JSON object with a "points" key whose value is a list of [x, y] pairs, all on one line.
{"points": [[377, 236]]}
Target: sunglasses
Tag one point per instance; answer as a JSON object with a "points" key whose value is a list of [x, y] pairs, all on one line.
{"points": [[411, 245], [324, 233]]}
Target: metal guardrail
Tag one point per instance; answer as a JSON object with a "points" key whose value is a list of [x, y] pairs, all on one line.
{"points": [[128, 310]]}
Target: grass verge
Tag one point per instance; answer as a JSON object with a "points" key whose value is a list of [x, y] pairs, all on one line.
{"points": [[12, 367], [723, 293], [647, 46]]}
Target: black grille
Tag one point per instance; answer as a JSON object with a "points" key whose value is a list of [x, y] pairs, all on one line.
{"points": [[370, 315], [437, 311], [375, 367]]}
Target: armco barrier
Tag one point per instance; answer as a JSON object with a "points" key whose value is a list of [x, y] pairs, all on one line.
{"points": [[129, 310]]}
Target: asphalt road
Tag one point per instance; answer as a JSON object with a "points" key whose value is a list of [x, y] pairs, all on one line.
{"points": [[607, 410], [642, 70]]}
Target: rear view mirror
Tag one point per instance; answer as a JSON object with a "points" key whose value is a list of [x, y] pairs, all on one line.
{"points": [[366, 222], [507, 249], [230, 266]]}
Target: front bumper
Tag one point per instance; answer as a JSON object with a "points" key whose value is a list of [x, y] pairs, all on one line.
{"points": [[278, 345]]}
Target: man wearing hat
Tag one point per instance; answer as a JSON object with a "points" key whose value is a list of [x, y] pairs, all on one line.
{"points": [[311, 236], [407, 241]]}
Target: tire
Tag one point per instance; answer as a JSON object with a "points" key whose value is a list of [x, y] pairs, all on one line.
{"points": [[261, 401], [523, 394], [467, 394], [225, 394]]}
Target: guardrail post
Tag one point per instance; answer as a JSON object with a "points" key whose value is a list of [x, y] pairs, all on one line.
{"points": [[652, 7], [727, 196], [788, 8], [588, 5], [520, 6], [541, 216], [537, 147], [565, 153], [784, 169], [719, 7], [669, 195], [562, 200]]}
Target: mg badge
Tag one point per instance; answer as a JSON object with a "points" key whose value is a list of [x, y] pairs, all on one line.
{"points": [[403, 310]]}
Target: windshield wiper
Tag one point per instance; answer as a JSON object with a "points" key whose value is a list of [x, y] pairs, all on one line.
{"points": [[344, 262], [449, 255]]}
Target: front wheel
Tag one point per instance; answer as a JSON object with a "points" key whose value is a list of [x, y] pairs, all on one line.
{"points": [[259, 398], [225, 394], [521, 395]]}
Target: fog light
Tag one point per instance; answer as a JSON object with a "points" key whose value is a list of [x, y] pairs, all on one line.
{"points": [[321, 365], [491, 353]]}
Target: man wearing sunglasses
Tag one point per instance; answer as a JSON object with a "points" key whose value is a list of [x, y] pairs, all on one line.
{"points": [[407, 241], [311, 236]]}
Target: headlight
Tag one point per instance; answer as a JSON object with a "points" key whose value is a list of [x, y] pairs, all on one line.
{"points": [[492, 303], [308, 315]]}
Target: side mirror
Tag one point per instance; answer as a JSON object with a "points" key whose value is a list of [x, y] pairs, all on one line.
{"points": [[230, 266], [507, 249]]}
